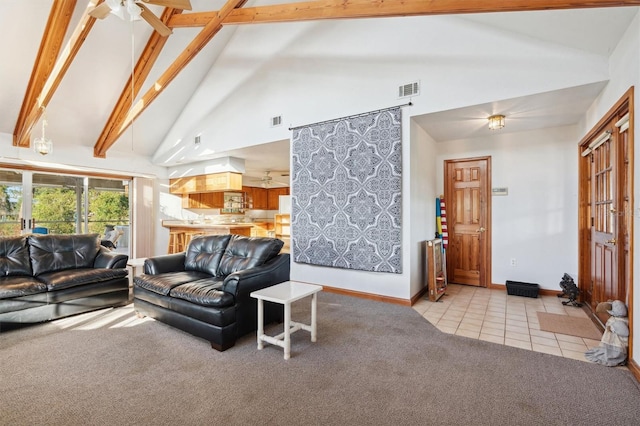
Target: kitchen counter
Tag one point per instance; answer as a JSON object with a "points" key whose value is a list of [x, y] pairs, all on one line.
{"points": [[189, 230]]}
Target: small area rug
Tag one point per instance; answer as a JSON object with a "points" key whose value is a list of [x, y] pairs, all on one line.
{"points": [[572, 326]]}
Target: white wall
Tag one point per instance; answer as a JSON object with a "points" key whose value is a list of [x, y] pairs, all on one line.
{"points": [[313, 71], [421, 203], [536, 223], [625, 72]]}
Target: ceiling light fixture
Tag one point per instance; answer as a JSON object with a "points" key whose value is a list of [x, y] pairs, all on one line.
{"points": [[42, 145], [496, 122]]}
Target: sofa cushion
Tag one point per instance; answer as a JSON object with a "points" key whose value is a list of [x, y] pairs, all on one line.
{"points": [[74, 277], [17, 286], [247, 252], [163, 283], [14, 256], [204, 253], [50, 253], [204, 292]]}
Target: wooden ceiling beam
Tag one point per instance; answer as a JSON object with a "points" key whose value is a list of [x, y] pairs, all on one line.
{"points": [[196, 45], [232, 13], [50, 47], [344, 9], [131, 89]]}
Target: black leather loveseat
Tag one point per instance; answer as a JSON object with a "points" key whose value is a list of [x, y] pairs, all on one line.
{"points": [[205, 290], [45, 277]]}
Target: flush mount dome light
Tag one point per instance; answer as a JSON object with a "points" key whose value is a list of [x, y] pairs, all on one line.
{"points": [[496, 122]]}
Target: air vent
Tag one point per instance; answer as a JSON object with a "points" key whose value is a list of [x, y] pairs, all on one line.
{"points": [[197, 140], [411, 89], [276, 121]]}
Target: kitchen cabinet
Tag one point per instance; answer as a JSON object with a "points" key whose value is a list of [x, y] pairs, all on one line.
{"points": [[273, 197], [212, 200], [206, 200], [260, 199], [226, 181], [183, 185]]}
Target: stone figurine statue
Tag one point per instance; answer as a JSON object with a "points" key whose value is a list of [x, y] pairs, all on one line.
{"points": [[615, 340]]}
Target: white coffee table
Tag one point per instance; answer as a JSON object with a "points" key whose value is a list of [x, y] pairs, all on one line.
{"points": [[286, 293]]}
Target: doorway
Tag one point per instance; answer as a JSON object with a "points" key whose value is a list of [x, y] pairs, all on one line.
{"points": [[467, 184], [606, 210]]}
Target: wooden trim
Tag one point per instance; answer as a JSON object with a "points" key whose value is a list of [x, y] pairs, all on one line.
{"points": [[486, 266], [183, 59], [22, 135], [50, 46], [419, 295], [631, 130], [634, 368], [363, 295], [141, 71], [599, 127], [345, 9]]}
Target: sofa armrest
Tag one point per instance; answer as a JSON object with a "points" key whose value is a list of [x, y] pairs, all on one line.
{"points": [[273, 272], [110, 259], [165, 263]]}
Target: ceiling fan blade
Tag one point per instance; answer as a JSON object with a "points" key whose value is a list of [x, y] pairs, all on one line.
{"points": [[154, 21], [101, 11], [176, 4]]}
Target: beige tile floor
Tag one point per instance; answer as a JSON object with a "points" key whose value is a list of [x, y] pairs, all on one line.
{"points": [[494, 316]]}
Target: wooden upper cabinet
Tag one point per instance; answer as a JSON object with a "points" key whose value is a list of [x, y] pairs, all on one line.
{"points": [[183, 185], [226, 181], [274, 194], [212, 200], [206, 200], [260, 199]]}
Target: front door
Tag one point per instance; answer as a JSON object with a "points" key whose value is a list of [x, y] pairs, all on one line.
{"points": [[467, 184], [607, 155]]}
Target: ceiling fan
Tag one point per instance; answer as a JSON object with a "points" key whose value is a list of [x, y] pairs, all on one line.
{"points": [[267, 180], [136, 10]]}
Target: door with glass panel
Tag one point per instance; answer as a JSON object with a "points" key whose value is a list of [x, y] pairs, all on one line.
{"points": [[11, 222], [50, 203]]}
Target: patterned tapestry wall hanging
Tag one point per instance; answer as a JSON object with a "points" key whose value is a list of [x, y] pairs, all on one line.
{"points": [[346, 192]]}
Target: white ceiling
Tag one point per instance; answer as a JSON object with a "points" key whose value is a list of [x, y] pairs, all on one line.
{"points": [[551, 109], [82, 104]]}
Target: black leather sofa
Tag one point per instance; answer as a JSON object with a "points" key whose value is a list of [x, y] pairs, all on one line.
{"points": [[205, 290], [45, 277]]}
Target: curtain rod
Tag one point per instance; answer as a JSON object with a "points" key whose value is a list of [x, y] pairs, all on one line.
{"points": [[351, 116]]}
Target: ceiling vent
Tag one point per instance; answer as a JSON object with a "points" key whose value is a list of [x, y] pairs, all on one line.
{"points": [[411, 89], [276, 121]]}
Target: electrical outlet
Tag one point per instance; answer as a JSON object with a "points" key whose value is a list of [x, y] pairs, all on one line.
{"points": [[513, 261]]}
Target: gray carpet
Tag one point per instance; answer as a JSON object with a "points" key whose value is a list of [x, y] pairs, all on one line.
{"points": [[374, 363]]}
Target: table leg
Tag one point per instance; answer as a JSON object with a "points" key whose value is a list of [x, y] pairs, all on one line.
{"points": [[260, 323], [314, 310], [287, 330]]}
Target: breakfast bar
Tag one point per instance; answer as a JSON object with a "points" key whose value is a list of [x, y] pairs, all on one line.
{"points": [[180, 233]]}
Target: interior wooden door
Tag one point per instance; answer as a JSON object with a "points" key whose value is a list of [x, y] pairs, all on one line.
{"points": [[467, 184], [606, 205]]}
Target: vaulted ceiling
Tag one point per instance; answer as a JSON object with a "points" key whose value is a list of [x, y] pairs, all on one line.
{"points": [[102, 81]]}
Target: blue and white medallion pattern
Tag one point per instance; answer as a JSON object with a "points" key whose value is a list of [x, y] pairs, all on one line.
{"points": [[346, 193]]}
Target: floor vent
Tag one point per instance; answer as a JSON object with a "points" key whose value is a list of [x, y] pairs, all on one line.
{"points": [[411, 89], [276, 121]]}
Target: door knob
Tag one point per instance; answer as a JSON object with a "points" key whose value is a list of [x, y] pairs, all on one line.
{"points": [[612, 241], [481, 229]]}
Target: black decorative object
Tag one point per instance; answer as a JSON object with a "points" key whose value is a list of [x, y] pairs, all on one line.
{"points": [[570, 290], [517, 288]]}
